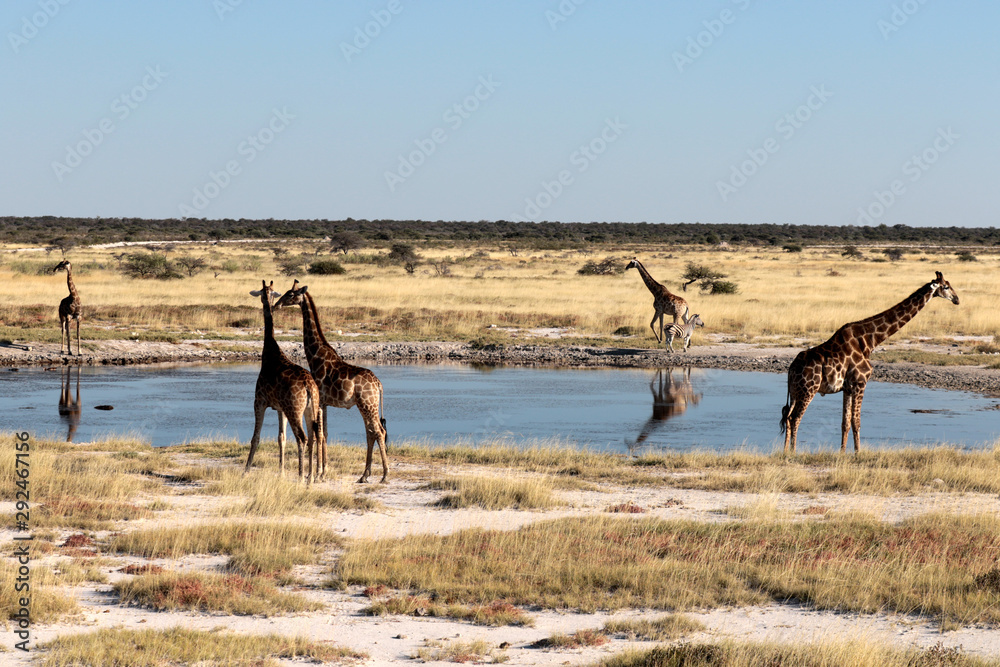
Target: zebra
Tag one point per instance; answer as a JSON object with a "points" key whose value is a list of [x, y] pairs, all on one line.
{"points": [[678, 331]]}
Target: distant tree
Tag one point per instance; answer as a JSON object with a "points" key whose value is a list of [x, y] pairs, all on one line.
{"points": [[149, 265], [609, 266], [699, 272], [894, 254], [346, 241], [191, 264], [792, 247], [966, 256], [402, 253], [852, 252], [63, 244]]}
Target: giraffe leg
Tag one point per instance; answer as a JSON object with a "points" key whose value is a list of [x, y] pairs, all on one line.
{"points": [[856, 417], [795, 413], [323, 440], [77, 336], [848, 411], [258, 415], [652, 326], [282, 421], [63, 334], [300, 440], [374, 432]]}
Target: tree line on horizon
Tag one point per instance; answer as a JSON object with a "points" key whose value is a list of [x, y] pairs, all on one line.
{"points": [[63, 231]]}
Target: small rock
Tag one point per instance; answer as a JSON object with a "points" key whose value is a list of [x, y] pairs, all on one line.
{"points": [[400, 637]]}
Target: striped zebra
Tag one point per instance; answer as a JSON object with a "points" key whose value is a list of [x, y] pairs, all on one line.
{"points": [[682, 331]]}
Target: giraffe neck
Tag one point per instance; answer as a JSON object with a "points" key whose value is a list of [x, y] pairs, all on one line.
{"points": [[889, 321], [653, 286], [271, 353], [69, 283], [312, 331]]}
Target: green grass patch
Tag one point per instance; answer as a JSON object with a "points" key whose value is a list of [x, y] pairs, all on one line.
{"points": [[927, 565], [179, 646], [229, 593]]}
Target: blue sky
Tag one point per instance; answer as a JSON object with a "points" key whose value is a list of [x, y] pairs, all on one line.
{"points": [[718, 111]]}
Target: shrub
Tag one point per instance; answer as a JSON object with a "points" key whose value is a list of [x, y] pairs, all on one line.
{"points": [[346, 241], [894, 254], [699, 272], [792, 247], [402, 253], [326, 267], [966, 256], [724, 287], [292, 265], [192, 265], [149, 265], [851, 252], [609, 266]]}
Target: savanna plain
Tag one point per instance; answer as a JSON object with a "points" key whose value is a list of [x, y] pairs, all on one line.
{"points": [[507, 551]]}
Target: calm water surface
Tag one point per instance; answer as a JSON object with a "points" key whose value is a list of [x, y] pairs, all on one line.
{"points": [[614, 410]]}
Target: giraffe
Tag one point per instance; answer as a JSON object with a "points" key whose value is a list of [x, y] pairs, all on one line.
{"points": [[671, 398], [69, 407], [287, 388], [341, 384], [664, 302], [843, 363], [69, 309]]}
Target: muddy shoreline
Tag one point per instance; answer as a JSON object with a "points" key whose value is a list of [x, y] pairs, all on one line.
{"points": [[734, 356]]}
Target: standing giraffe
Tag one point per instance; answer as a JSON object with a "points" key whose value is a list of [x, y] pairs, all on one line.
{"points": [[664, 302], [341, 384], [287, 388], [843, 363], [69, 309]]}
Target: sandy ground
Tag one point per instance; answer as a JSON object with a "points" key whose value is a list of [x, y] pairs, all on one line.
{"points": [[405, 509]]}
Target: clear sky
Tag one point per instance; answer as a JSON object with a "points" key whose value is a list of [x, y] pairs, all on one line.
{"points": [[801, 112]]}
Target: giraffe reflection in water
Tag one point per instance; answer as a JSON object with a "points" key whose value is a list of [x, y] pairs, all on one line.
{"points": [[69, 405], [672, 393]]}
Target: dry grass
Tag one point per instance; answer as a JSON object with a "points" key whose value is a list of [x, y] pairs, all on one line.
{"points": [[578, 639], [476, 650], [883, 472], [927, 565], [268, 495], [494, 613], [537, 289], [254, 548], [662, 629], [495, 493], [178, 646], [829, 654], [230, 594], [47, 605]]}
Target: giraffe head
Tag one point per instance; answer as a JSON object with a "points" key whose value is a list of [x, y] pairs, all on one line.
{"points": [[634, 264], [292, 297], [62, 266], [941, 287], [267, 293]]}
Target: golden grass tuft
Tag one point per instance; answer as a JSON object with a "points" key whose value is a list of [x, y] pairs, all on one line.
{"points": [[254, 548], [495, 493], [229, 593], [857, 653], [665, 628], [269, 495], [179, 646], [495, 613], [476, 650]]}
